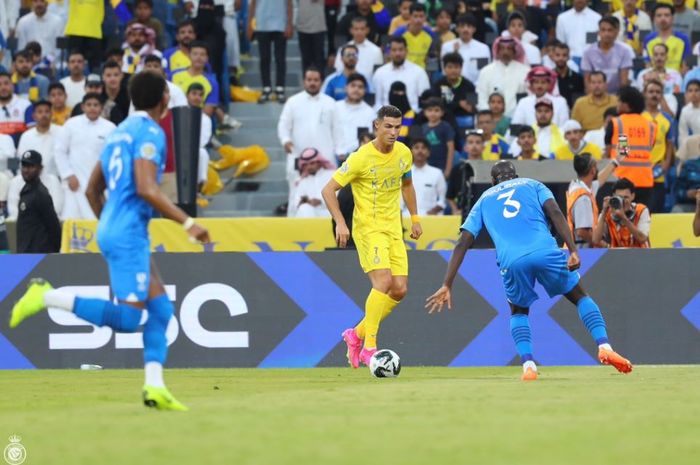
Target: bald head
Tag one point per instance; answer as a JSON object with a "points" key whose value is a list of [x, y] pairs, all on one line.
{"points": [[503, 171]]}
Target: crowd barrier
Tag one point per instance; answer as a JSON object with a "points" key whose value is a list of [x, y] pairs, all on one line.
{"points": [[288, 309], [314, 235]]}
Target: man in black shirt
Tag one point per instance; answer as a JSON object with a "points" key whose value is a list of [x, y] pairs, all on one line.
{"points": [[454, 90], [570, 83], [38, 228]]}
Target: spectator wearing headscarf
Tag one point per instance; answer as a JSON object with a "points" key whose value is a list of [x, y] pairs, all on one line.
{"points": [[315, 171], [541, 84], [140, 43], [506, 75]]}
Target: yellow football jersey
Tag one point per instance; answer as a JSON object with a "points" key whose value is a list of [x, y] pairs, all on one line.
{"points": [[376, 180]]}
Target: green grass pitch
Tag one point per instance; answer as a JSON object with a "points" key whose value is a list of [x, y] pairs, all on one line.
{"points": [[570, 416]]}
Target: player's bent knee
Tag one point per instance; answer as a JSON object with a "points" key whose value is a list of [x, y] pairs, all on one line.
{"points": [[161, 310], [130, 318], [398, 291]]}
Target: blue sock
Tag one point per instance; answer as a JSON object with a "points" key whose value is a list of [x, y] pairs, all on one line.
{"points": [[155, 344], [520, 330], [120, 317], [589, 313]]}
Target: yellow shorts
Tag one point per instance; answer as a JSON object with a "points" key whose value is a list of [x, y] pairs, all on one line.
{"points": [[379, 251]]}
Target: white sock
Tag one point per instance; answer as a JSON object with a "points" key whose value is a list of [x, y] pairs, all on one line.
{"points": [[605, 346], [59, 299], [154, 374], [529, 364]]}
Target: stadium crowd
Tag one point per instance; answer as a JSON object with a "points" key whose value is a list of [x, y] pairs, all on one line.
{"points": [[519, 79]]}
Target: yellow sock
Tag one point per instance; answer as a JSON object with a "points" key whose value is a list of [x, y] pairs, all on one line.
{"points": [[360, 329], [376, 302], [388, 307]]}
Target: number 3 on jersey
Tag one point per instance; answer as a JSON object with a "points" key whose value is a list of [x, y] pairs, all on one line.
{"points": [[514, 204], [116, 166]]}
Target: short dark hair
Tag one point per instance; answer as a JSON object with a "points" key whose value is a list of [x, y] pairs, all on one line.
{"points": [[147, 2], [5, 74], [660, 44], [152, 59], [146, 90], [632, 97], [561, 45], [57, 85], [110, 64], [582, 163], [42, 103], [516, 15], [658, 6], [452, 58], [654, 82], [445, 11], [611, 20], [199, 44], [356, 77], [195, 86], [312, 69], [598, 73], [524, 129], [359, 19], [622, 184], [184, 23], [92, 96], [114, 51], [75, 51], [433, 102], [388, 111], [484, 113], [26, 54], [466, 18], [348, 46], [693, 82], [610, 111], [418, 7], [419, 140], [398, 40], [33, 47]]}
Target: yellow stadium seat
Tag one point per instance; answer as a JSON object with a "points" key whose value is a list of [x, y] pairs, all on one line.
{"points": [[250, 160]]}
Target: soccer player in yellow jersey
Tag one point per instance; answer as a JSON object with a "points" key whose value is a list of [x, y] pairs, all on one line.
{"points": [[378, 171]]}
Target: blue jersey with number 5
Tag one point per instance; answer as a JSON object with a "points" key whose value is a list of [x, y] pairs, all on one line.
{"points": [[126, 215], [514, 216]]}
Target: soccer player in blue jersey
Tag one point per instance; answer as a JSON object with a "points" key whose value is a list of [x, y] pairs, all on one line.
{"points": [[515, 211], [130, 167]]}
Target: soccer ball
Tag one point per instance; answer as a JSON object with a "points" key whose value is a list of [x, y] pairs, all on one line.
{"points": [[385, 363]]}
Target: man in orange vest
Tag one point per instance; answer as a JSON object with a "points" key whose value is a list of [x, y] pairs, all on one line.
{"points": [[641, 137], [581, 206], [623, 223]]}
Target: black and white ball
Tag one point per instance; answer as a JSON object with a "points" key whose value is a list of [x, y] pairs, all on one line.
{"points": [[385, 363]]}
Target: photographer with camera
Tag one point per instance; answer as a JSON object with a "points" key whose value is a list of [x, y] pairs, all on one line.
{"points": [[623, 223]]}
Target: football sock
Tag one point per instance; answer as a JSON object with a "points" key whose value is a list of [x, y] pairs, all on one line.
{"points": [[376, 302], [57, 298], [155, 344], [522, 336], [120, 317], [389, 306], [154, 374], [360, 328], [589, 313]]}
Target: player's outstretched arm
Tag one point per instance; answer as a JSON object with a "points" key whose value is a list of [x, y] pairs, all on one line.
{"points": [[562, 227], [409, 197], [443, 295], [95, 190], [147, 188], [342, 233]]}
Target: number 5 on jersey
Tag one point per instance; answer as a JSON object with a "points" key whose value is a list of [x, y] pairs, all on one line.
{"points": [[116, 166], [514, 204]]}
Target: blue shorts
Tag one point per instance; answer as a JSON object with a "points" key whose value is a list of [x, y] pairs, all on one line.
{"points": [[548, 267], [129, 270]]}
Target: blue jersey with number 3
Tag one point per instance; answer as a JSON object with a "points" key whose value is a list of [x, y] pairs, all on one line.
{"points": [[126, 215], [514, 216]]}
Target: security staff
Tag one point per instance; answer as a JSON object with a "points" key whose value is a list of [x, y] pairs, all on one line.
{"points": [[641, 136], [38, 229]]}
